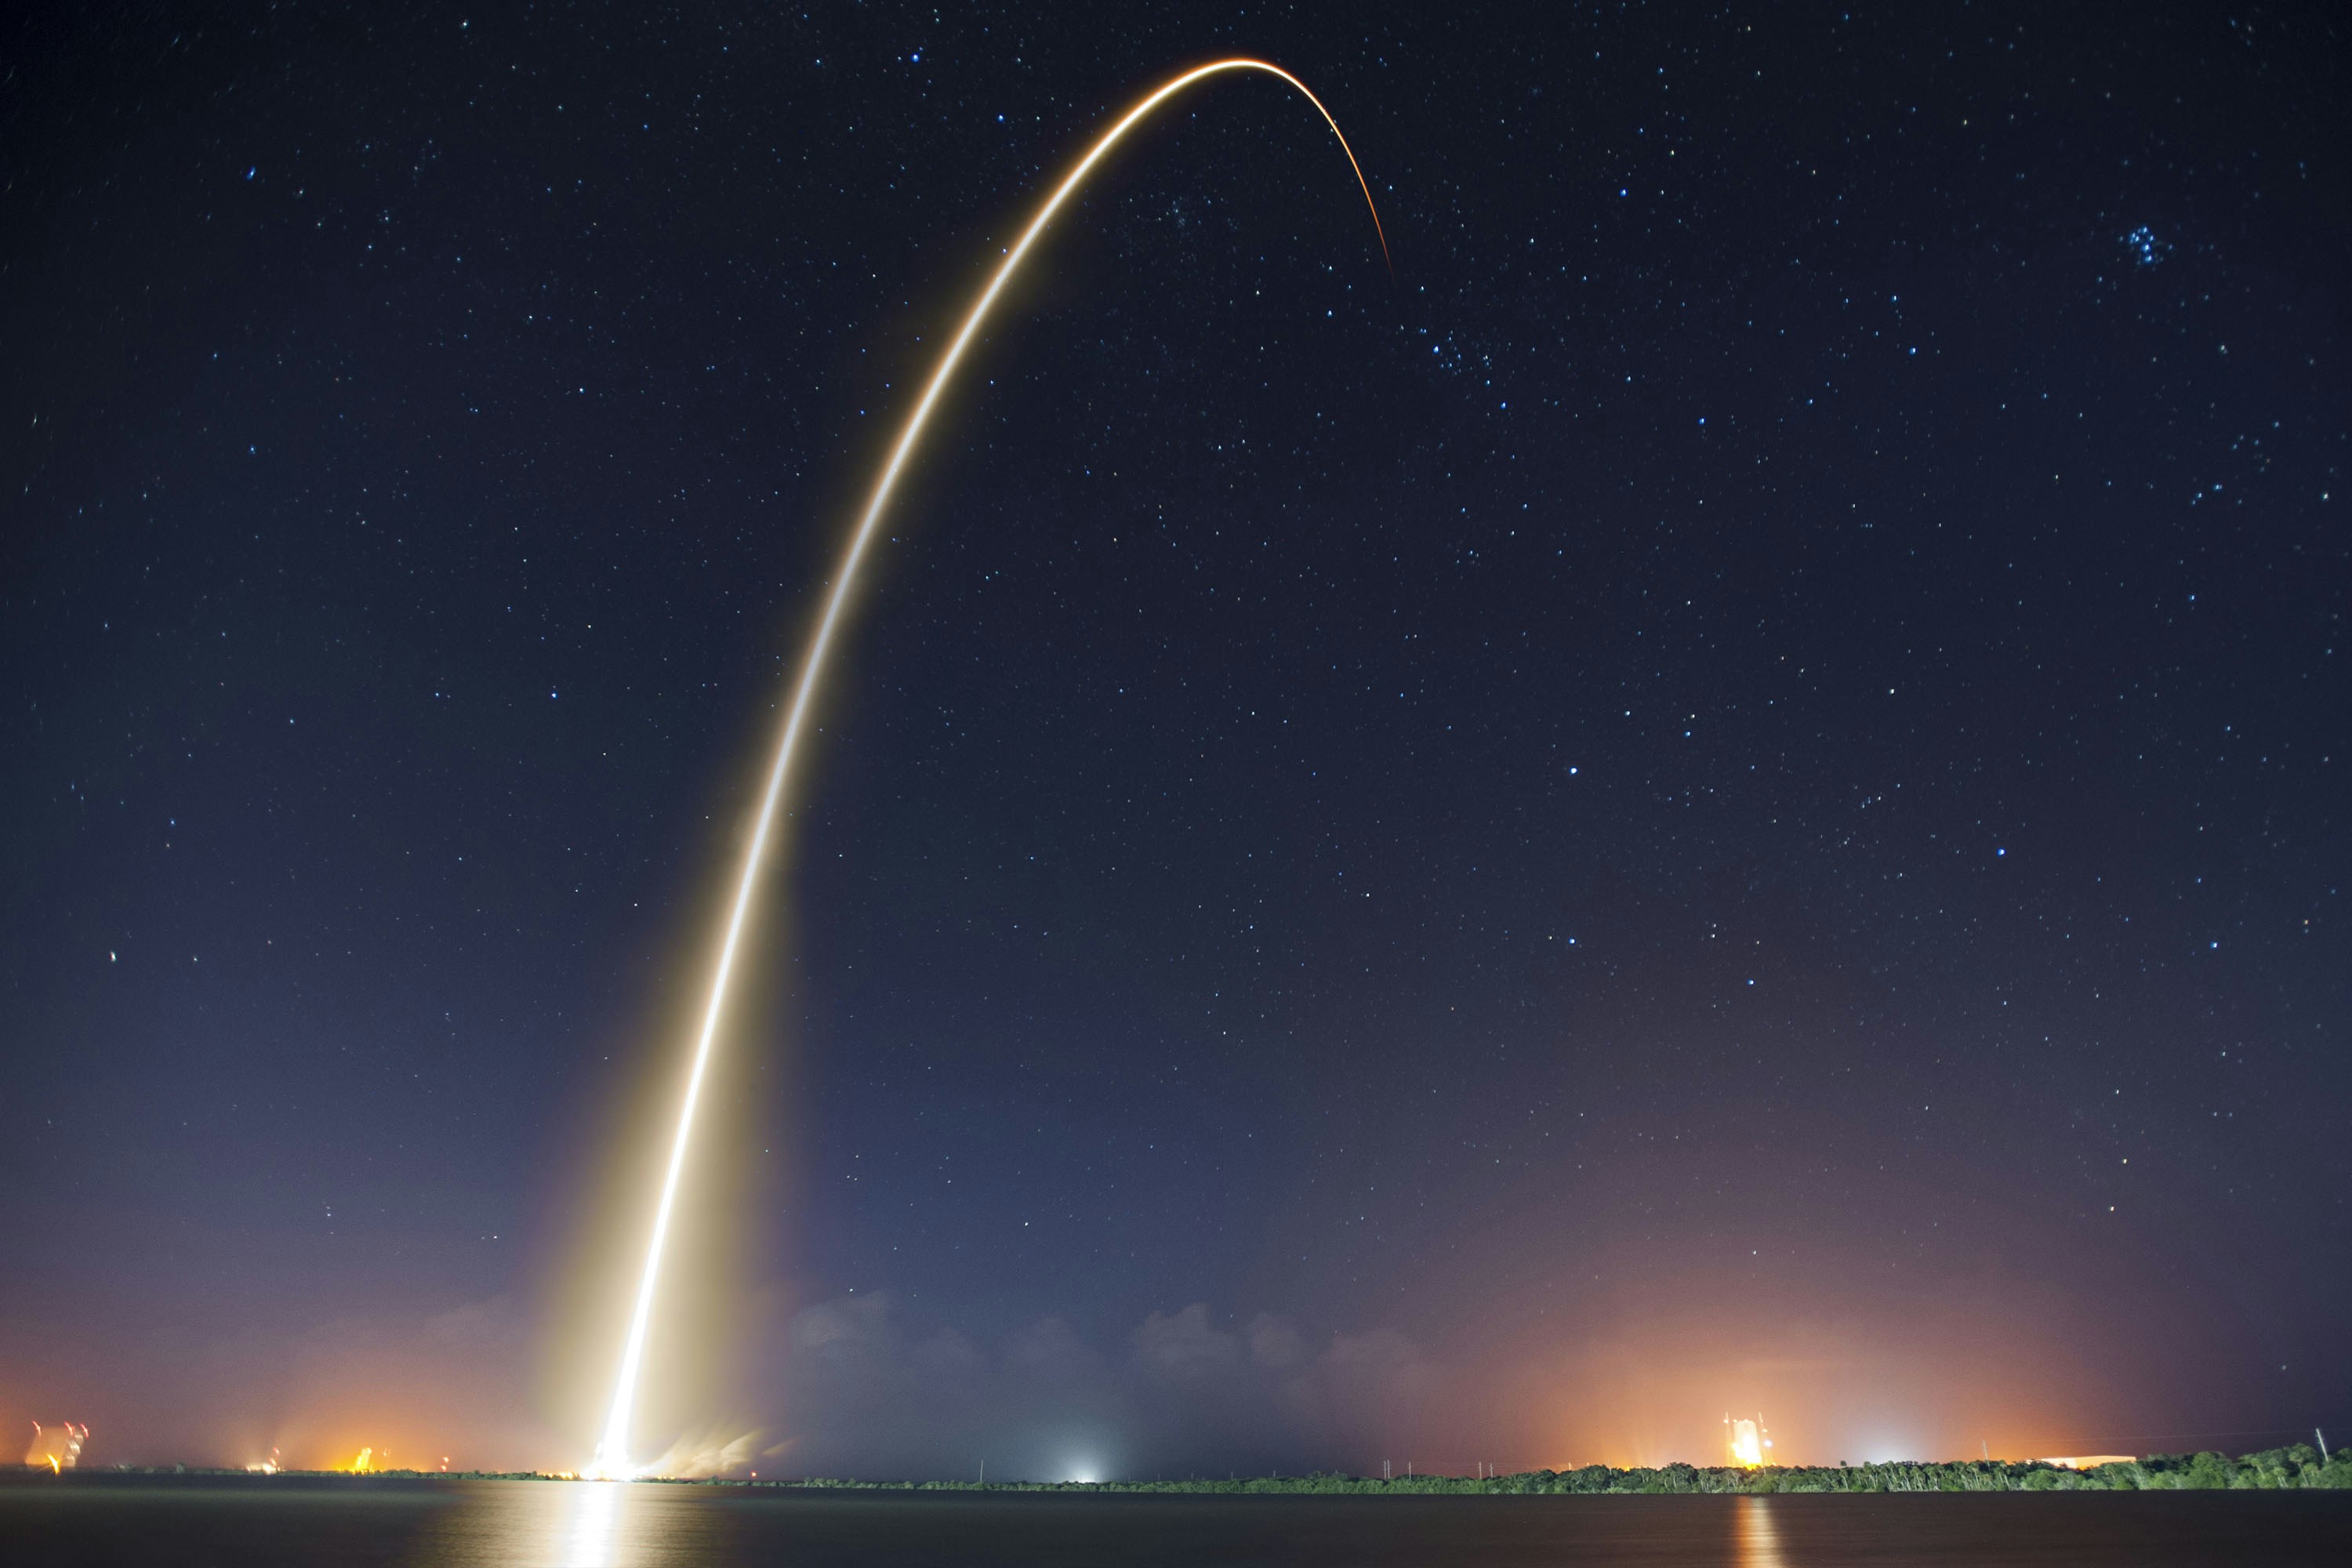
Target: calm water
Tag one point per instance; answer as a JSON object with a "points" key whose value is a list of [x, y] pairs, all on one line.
{"points": [[584, 1525]]}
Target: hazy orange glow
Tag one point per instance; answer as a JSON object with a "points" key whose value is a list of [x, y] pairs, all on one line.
{"points": [[1746, 1440], [2088, 1461], [1637, 1365], [59, 1446]]}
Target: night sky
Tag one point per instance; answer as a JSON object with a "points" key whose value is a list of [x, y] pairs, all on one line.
{"points": [[1726, 794]]}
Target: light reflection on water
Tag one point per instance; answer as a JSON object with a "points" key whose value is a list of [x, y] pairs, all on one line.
{"points": [[1756, 1538], [587, 1540], [586, 1524], [623, 1524], [401, 1523], [564, 1524]]}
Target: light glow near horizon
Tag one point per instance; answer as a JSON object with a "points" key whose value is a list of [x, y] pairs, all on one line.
{"points": [[611, 1460]]}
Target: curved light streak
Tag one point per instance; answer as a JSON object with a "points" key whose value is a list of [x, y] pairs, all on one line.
{"points": [[612, 1451]]}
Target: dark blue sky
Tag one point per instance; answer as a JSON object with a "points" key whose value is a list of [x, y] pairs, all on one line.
{"points": [[1729, 790]]}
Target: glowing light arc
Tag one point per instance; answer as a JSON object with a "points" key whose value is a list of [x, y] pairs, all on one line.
{"points": [[612, 1451]]}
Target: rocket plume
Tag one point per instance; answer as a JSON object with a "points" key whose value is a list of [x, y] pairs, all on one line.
{"points": [[612, 1451]]}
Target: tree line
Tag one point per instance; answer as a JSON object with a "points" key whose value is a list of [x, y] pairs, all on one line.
{"points": [[2272, 1469]]}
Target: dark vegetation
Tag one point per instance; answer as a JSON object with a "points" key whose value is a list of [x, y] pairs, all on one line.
{"points": [[2272, 1469]]}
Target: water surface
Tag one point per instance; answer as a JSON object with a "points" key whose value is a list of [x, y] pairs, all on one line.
{"points": [[474, 1524]]}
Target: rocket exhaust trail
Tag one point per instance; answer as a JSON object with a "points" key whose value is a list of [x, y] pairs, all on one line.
{"points": [[612, 1451]]}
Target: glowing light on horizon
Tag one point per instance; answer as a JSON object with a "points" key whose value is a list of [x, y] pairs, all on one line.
{"points": [[364, 1463], [612, 1450], [1746, 1440], [59, 1446]]}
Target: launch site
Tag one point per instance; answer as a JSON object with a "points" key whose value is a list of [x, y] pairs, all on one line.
{"points": [[1305, 784]]}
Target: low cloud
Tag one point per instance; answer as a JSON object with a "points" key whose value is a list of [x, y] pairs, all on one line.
{"points": [[719, 1451], [871, 1390], [1274, 1343], [1185, 1348]]}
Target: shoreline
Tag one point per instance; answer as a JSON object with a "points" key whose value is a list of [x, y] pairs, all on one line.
{"points": [[2296, 1469]]}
